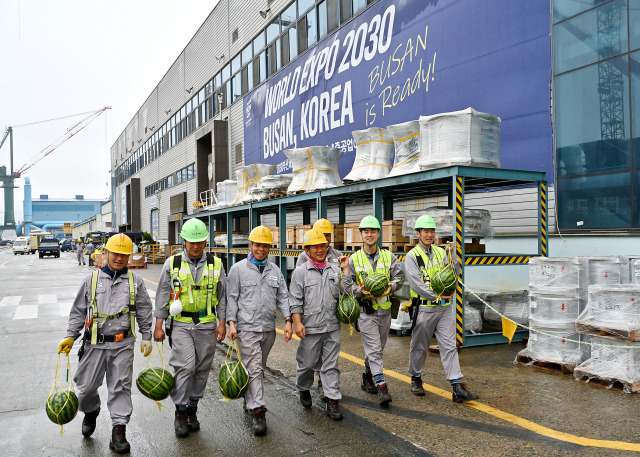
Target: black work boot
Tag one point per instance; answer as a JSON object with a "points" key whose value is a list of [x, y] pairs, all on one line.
{"points": [[181, 423], [305, 398], [89, 423], [384, 395], [259, 421], [416, 386], [119, 441], [333, 410], [367, 384], [460, 393], [192, 419]]}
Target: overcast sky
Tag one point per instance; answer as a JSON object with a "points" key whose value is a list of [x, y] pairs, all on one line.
{"points": [[64, 57]]}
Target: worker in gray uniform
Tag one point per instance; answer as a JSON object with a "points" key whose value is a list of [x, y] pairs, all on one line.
{"points": [[191, 302], [314, 294], [434, 314], [333, 255], [375, 312], [80, 252], [90, 250], [255, 289], [107, 305]]}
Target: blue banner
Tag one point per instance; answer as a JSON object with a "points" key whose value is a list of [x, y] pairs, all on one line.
{"points": [[406, 58]]}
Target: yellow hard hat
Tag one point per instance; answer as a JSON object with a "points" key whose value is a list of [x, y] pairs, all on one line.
{"points": [[313, 237], [120, 244], [261, 234], [324, 226]]}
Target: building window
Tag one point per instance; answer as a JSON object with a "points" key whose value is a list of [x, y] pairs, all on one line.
{"points": [[239, 153]]}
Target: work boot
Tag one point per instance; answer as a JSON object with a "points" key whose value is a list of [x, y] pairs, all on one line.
{"points": [[89, 423], [181, 423], [384, 395], [367, 384], [192, 419], [259, 421], [305, 398], [460, 393], [321, 390], [333, 410], [416, 386], [119, 441]]}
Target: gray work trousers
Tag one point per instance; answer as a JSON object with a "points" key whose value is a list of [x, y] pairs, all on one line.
{"points": [[254, 350], [319, 346], [438, 321], [374, 331], [80, 256], [192, 351], [117, 365]]}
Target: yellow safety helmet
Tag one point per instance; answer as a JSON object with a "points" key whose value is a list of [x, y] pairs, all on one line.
{"points": [[324, 226], [261, 234], [120, 244], [313, 237]]}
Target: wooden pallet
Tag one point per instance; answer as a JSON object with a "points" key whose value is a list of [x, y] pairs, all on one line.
{"points": [[394, 247], [616, 384], [338, 246], [137, 266], [546, 365], [408, 247], [275, 195], [607, 332], [352, 246]]}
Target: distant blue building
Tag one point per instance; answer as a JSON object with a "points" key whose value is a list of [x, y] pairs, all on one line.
{"points": [[65, 209]]}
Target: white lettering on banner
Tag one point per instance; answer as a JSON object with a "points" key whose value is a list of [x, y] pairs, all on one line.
{"points": [[315, 114], [279, 135], [282, 93]]}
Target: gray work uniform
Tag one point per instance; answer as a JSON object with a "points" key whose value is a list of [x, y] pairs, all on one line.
{"points": [[193, 346], [315, 296], [374, 328], [432, 320], [252, 300], [113, 359], [332, 256], [80, 253], [90, 250]]}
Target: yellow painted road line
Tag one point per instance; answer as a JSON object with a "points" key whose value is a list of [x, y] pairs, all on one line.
{"points": [[148, 280], [524, 423]]}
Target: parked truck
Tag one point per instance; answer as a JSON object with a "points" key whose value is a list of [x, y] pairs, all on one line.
{"points": [[25, 245]]}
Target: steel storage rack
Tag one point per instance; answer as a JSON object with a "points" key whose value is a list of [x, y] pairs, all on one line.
{"points": [[452, 181]]}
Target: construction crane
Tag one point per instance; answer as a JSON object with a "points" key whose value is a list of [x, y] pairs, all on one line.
{"points": [[8, 179]]}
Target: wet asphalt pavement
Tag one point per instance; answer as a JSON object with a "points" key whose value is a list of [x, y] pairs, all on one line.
{"points": [[522, 411]]}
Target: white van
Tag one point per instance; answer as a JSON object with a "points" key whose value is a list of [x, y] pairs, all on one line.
{"points": [[25, 245]]}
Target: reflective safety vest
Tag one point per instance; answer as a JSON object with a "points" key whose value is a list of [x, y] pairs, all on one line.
{"points": [[198, 300], [363, 268], [131, 309], [427, 268]]}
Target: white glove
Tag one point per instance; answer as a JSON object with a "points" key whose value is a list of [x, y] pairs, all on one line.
{"points": [[176, 307], [145, 347]]}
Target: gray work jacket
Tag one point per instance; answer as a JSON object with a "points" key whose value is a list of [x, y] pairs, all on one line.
{"points": [[396, 272], [332, 256], [415, 276], [163, 292], [315, 295], [111, 298], [252, 297]]}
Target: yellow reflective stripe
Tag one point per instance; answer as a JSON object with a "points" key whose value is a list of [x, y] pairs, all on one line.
{"points": [[132, 304], [94, 305]]}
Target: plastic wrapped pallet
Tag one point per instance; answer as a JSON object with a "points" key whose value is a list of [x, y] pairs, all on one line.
{"points": [[465, 137], [248, 178], [226, 192], [561, 276], [314, 168], [406, 141], [276, 184], [614, 309], [472, 320], [606, 270], [621, 364], [635, 271], [238, 240], [374, 155], [477, 222], [554, 343], [514, 305], [555, 308]]}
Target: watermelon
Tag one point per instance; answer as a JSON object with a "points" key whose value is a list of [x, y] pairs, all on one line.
{"points": [[62, 406], [444, 281], [155, 383], [376, 284], [348, 310], [233, 380]]}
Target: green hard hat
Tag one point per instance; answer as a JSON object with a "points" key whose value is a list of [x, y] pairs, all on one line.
{"points": [[425, 222], [194, 231], [369, 222]]}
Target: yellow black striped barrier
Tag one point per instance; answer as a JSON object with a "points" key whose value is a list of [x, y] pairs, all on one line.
{"points": [[459, 243], [543, 219], [498, 260]]}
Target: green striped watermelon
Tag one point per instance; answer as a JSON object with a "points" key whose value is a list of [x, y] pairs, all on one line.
{"points": [[444, 281], [233, 380], [376, 283], [62, 406], [348, 310], [155, 383]]}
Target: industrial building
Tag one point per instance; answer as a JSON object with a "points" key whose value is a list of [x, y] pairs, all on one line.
{"points": [[260, 77]]}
